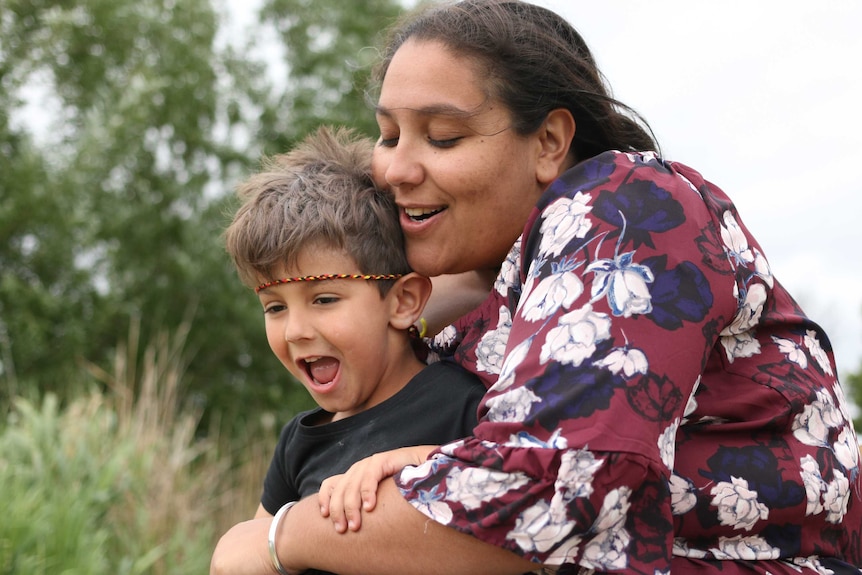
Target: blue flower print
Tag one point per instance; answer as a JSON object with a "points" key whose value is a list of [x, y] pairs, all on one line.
{"points": [[678, 295], [643, 206], [759, 467], [574, 393]]}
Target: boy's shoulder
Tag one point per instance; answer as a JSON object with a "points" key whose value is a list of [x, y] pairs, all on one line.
{"points": [[445, 372]]}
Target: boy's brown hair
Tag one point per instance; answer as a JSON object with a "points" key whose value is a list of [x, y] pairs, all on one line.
{"points": [[318, 194]]}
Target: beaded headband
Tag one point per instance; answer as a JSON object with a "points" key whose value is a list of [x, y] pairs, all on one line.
{"points": [[328, 277]]}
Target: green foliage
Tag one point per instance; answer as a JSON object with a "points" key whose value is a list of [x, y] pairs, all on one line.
{"points": [[330, 48], [113, 202], [118, 482], [853, 383]]}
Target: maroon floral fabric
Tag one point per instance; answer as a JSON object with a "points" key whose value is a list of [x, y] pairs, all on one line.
{"points": [[656, 400]]}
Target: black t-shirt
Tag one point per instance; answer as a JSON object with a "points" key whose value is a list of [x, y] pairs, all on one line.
{"points": [[437, 406]]}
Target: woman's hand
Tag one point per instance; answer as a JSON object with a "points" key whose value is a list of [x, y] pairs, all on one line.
{"points": [[343, 497]]}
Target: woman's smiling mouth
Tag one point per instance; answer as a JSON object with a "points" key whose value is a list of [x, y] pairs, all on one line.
{"points": [[421, 214]]}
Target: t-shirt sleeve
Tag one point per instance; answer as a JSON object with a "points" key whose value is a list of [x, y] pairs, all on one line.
{"points": [[278, 485]]}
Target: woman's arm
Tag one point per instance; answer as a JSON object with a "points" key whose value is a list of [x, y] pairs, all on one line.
{"points": [[395, 538], [452, 296]]}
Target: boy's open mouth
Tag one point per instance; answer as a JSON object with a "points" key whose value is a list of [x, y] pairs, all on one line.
{"points": [[322, 370]]}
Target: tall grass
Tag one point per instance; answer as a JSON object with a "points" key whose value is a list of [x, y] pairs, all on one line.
{"points": [[117, 480]]}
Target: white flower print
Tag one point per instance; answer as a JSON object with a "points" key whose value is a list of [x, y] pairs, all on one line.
{"points": [[762, 269], [683, 495], [739, 345], [748, 315], [473, 486], [681, 549], [508, 276], [812, 426], [560, 289], [814, 485], [735, 242], [608, 549], [431, 506], [422, 470], [446, 337], [846, 448], [523, 439], [564, 220], [751, 548], [538, 528], [667, 444], [510, 364], [737, 504], [813, 345], [574, 338], [625, 360], [792, 351], [449, 449], [492, 348], [836, 498], [575, 477], [624, 283], [566, 553], [812, 563], [691, 406], [841, 402], [512, 406]]}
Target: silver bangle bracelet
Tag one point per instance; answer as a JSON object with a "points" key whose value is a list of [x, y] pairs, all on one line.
{"points": [[273, 529]]}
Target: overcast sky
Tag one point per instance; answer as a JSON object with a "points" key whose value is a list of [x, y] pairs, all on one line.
{"points": [[763, 98]]}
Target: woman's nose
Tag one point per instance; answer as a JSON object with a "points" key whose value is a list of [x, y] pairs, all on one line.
{"points": [[403, 166]]}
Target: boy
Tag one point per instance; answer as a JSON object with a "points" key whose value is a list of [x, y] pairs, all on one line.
{"points": [[324, 251]]}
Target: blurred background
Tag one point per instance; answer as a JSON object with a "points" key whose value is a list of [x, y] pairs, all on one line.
{"points": [[139, 401]]}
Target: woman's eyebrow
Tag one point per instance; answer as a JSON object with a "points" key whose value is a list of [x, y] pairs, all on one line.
{"points": [[430, 110]]}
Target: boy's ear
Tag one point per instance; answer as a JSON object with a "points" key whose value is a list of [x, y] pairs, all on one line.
{"points": [[409, 296], [555, 141]]}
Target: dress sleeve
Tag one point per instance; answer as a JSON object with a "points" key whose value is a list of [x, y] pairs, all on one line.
{"points": [[619, 293]]}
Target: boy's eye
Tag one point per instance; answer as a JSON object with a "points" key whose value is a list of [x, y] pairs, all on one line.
{"points": [[325, 299], [388, 142], [274, 308]]}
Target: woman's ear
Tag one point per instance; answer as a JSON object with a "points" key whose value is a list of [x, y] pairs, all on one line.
{"points": [[555, 140], [408, 298]]}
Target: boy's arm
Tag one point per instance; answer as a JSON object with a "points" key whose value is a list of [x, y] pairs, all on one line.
{"points": [[395, 538], [344, 497], [262, 513]]}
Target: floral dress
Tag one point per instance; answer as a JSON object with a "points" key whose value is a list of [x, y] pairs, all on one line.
{"points": [[656, 400]]}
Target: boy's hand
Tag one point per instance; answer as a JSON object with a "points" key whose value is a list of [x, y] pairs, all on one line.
{"points": [[343, 497]]}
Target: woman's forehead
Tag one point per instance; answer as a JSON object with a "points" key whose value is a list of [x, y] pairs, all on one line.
{"points": [[428, 75]]}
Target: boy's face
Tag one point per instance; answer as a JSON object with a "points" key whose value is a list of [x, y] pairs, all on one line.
{"points": [[334, 336]]}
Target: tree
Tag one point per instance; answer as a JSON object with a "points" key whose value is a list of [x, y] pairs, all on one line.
{"points": [[112, 211]]}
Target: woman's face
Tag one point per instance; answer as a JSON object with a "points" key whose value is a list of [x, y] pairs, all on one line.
{"points": [[464, 181]]}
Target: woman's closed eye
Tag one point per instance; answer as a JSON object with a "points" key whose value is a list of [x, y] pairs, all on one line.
{"points": [[445, 143]]}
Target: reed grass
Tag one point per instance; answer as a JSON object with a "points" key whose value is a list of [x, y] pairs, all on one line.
{"points": [[120, 480]]}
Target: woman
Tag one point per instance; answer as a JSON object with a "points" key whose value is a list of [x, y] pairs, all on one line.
{"points": [[657, 402]]}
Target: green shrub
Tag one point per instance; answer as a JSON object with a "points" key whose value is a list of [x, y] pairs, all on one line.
{"points": [[118, 481]]}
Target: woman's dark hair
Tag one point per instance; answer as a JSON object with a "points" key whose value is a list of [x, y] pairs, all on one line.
{"points": [[535, 62]]}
